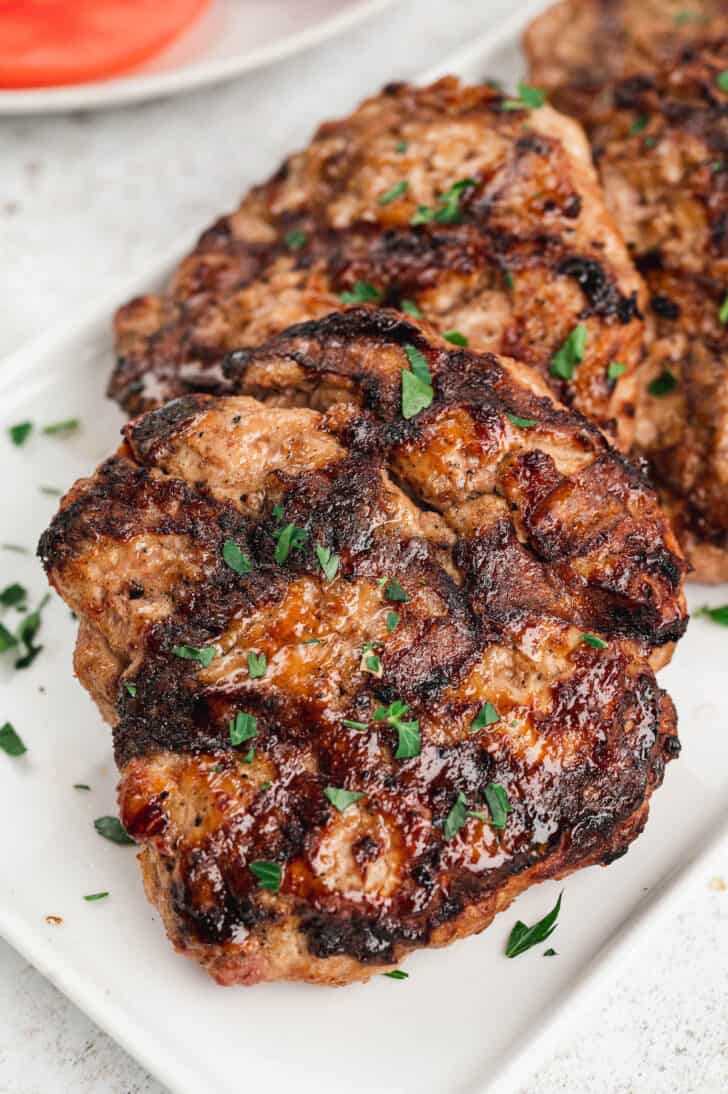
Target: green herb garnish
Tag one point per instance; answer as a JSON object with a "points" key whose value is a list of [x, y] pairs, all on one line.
{"points": [[662, 384], [257, 665], [529, 98], [354, 725], [594, 641], [268, 874], [394, 591], [571, 354], [51, 491], [550, 952], [456, 818], [10, 742], [455, 337], [522, 938], [397, 974], [328, 560], [401, 146], [410, 308], [392, 621], [235, 558], [497, 799], [508, 279], [131, 688], [342, 799], [615, 369], [290, 538], [397, 191], [8, 641], [204, 654], [13, 595], [522, 423], [639, 124], [112, 829], [96, 896], [19, 433], [723, 313], [81, 786], [68, 425], [295, 239], [409, 732], [361, 293], [27, 631], [722, 80], [243, 727], [717, 615], [448, 210], [486, 716]]}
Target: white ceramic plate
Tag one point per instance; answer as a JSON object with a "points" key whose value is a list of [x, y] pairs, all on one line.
{"points": [[233, 37], [467, 1019]]}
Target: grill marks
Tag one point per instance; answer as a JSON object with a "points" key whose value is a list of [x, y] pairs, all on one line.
{"points": [[502, 570], [529, 254]]}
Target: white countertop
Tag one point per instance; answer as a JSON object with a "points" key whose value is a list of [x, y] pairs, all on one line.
{"points": [[87, 200]]}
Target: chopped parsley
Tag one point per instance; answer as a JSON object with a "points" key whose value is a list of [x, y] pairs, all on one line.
{"points": [[639, 124], [19, 433], [571, 354], [361, 293], [662, 384], [277, 511], [723, 313], [418, 363], [394, 591], [27, 631], [243, 727], [529, 98], [235, 558], [522, 423], [10, 742], [416, 395], [268, 875], [550, 952], [522, 938], [342, 799], [15, 548], [400, 147], [51, 491], [409, 732], [67, 425], [448, 210], [397, 191], [131, 688], [392, 621], [81, 786], [328, 561], [290, 538], [8, 641], [508, 279], [486, 716], [397, 974], [456, 818], [112, 829], [96, 896], [354, 725], [615, 369], [717, 615], [257, 665], [722, 80], [456, 337], [594, 641], [204, 654], [249, 755], [312, 641], [498, 804], [410, 308], [13, 595], [295, 239]]}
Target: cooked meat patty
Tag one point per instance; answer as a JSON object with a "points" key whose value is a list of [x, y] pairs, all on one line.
{"points": [[447, 199], [660, 140], [326, 634]]}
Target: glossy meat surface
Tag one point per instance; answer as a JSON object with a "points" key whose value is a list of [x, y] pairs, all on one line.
{"points": [[658, 124], [516, 256], [491, 548]]}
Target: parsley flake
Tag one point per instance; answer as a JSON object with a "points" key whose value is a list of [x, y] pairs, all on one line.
{"points": [[243, 727], [68, 425], [522, 423], [290, 538], [456, 818], [131, 688], [639, 124], [498, 804], [615, 369], [571, 354], [361, 293], [10, 742], [410, 308], [486, 716], [295, 239], [112, 829], [662, 384], [397, 191], [342, 799], [268, 874], [19, 433], [508, 279], [401, 146], [96, 896], [354, 725], [328, 560], [550, 952], [8, 641], [529, 98], [13, 595], [594, 641], [81, 786], [257, 665], [394, 591], [522, 938], [408, 732], [370, 662], [723, 313], [722, 80], [392, 621], [455, 337], [397, 974], [717, 615], [204, 654], [448, 210], [235, 558], [27, 631], [416, 395]]}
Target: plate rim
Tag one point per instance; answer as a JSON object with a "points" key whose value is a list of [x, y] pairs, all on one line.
{"points": [[600, 969], [124, 90]]}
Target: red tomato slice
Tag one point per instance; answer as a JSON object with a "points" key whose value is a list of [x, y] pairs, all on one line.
{"points": [[44, 43]]}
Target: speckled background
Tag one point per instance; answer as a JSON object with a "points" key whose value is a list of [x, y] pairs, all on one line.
{"points": [[87, 200]]}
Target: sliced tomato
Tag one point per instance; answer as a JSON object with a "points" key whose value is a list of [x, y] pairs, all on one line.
{"points": [[44, 43]]}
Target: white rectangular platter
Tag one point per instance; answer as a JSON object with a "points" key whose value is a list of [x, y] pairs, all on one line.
{"points": [[467, 1019]]}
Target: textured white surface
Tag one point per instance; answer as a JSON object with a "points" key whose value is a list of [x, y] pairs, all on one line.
{"points": [[89, 199]]}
